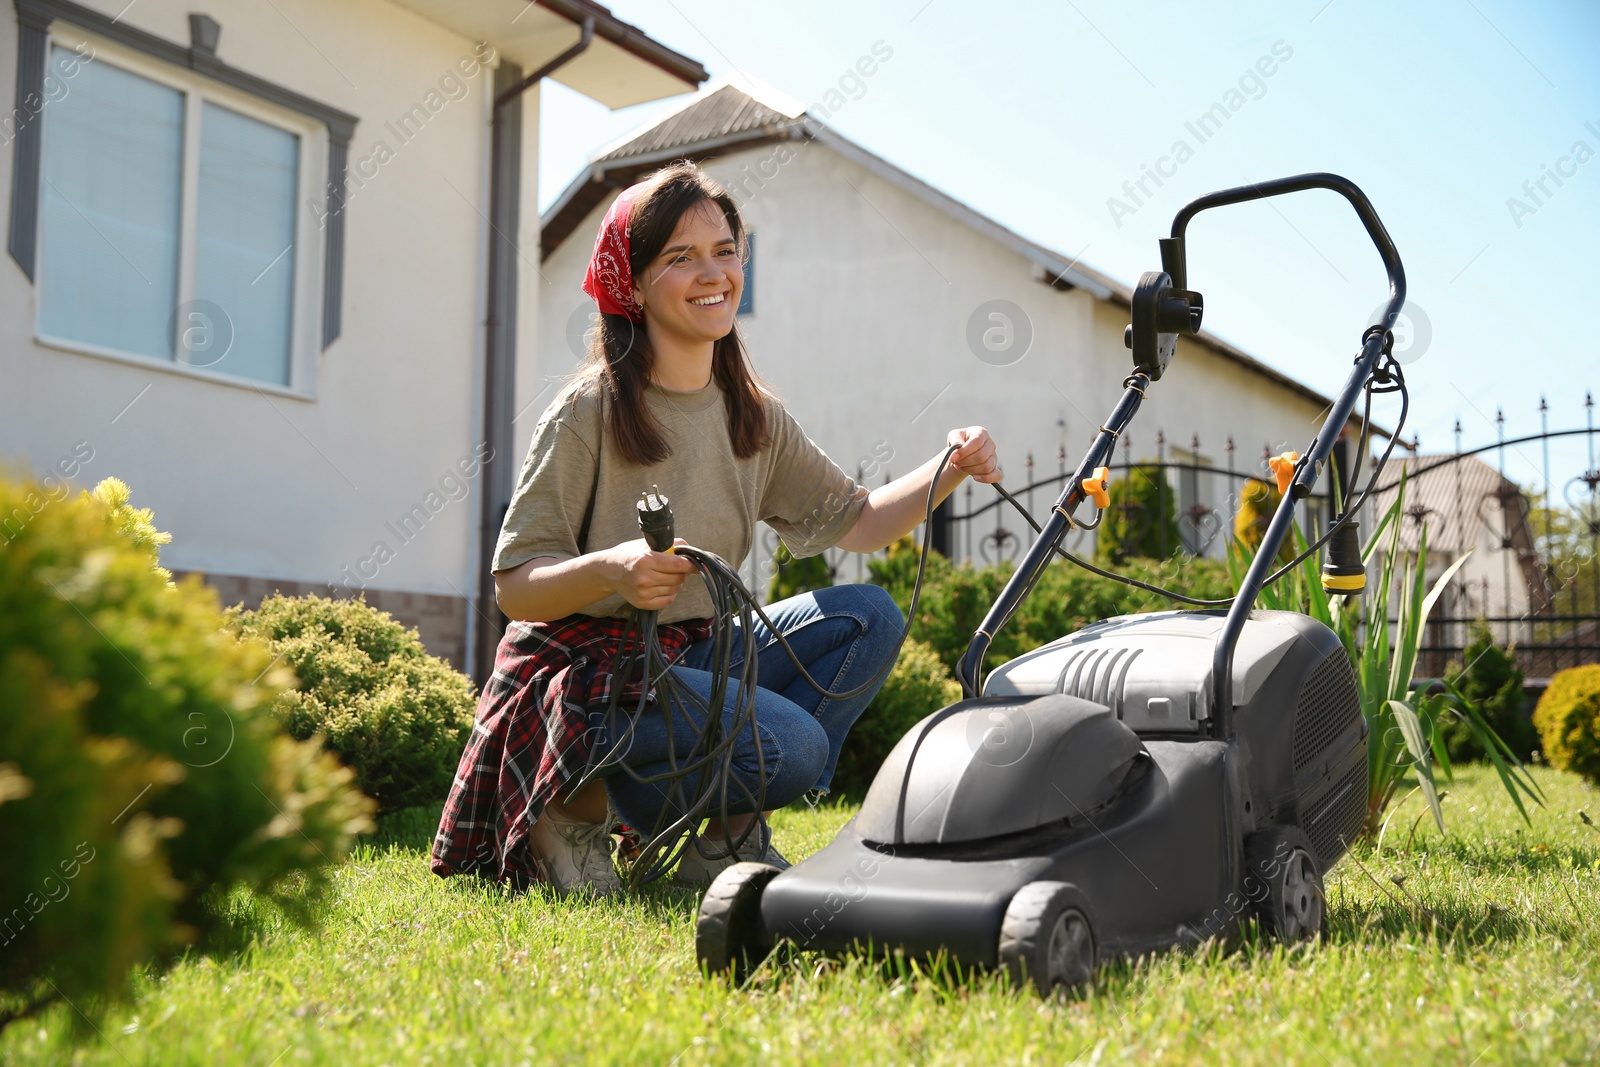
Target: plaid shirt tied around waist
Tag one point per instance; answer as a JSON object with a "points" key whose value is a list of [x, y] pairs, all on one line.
{"points": [[532, 736]]}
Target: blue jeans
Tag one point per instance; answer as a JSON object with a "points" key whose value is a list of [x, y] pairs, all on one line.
{"points": [[844, 635]]}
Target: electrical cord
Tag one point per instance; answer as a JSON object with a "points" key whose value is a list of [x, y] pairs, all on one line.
{"points": [[701, 783], [1387, 378], [1393, 379]]}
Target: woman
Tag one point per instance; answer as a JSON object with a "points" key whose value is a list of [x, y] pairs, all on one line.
{"points": [[666, 398]]}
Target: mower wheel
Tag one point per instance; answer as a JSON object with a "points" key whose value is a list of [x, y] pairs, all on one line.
{"points": [[1283, 881], [1048, 937], [728, 936]]}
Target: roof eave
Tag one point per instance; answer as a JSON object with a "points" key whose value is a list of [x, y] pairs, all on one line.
{"points": [[630, 39]]}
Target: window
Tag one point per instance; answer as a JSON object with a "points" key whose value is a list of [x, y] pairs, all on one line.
{"points": [[747, 298], [153, 200], [167, 224], [108, 264], [1199, 524], [243, 239]]}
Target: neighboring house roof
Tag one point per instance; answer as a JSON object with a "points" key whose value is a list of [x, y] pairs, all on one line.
{"points": [[720, 114], [1457, 498], [729, 119], [1461, 499]]}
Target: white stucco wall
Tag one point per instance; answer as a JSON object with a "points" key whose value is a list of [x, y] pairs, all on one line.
{"points": [[265, 484], [863, 296]]}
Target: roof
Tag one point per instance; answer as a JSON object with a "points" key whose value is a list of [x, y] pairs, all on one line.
{"points": [[728, 118], [720, 114], [719, 121], [1455, 497]]}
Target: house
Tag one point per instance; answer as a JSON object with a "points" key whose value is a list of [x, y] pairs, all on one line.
{"points": [[1464, 506], [886, 313], [273, 264]]}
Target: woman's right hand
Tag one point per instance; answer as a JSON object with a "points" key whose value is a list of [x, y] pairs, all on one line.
{"points": [[645, 578]]}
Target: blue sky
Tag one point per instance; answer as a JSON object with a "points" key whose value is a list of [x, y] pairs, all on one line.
{"points": [[1037, 113]]}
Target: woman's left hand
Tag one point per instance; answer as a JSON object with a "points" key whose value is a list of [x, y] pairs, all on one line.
{"points": [[976, 457]]}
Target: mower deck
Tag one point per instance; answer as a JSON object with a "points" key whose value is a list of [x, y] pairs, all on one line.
{"points": [[1154, 862]]}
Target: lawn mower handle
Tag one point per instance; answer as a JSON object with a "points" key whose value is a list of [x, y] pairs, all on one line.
{"points": [[1375, 341]]}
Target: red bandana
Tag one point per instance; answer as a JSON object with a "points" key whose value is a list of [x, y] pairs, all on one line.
{"points": [[609, 278]]}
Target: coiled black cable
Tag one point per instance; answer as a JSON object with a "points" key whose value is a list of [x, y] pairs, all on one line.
{"points": [[708, 763]]}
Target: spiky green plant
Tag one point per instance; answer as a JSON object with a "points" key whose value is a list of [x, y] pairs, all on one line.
{"points": [[1405, 738]]}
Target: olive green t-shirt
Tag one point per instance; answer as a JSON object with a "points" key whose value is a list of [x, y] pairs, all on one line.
{"points": [[716, 498]]}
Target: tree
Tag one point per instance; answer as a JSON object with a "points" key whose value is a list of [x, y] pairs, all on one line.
{"points": [[1488, 678], [1141, 518]]}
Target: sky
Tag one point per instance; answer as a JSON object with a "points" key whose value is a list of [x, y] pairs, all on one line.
{"points": [[1473, 126]]}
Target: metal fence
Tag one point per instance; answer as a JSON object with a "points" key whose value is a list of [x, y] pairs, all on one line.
{"points": [[975, 525], [1541, 596], [1205, 501]]}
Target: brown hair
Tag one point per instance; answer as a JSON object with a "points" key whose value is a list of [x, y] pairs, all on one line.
{"points": [[620, 359]]}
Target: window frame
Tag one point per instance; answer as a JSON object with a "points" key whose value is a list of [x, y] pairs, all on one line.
{"points": [[318, 293], [313, 151], [1193, 470], [747, 296]]}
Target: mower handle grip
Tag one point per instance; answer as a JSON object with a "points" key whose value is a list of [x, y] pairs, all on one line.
{"points": [[1278, 187], [1375, 342]]}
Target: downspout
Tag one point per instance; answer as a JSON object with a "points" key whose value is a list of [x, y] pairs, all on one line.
{"points": [[500, 332]]}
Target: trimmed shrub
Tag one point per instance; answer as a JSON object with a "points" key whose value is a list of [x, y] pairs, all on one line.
{"points": [[142, 772], [1258, 502], [1141, 518], [392, 713], [796, 576], [137, 525], [1568, 719], [918, 685], [1492, 681]]}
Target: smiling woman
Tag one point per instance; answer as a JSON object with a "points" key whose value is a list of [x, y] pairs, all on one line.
{"points": [[667, 399]]}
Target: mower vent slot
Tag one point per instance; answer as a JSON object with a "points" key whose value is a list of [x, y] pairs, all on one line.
{"points": [[1334, 821], [1098, 674], [1329, 706]]}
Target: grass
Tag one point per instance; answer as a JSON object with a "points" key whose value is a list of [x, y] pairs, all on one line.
{"points": [[1477, 948]]}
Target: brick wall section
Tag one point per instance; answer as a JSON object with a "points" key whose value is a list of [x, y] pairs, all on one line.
{"points": [[441, 621]]}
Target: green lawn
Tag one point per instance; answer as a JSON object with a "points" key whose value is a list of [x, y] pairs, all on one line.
{"points": [[410, 969]]}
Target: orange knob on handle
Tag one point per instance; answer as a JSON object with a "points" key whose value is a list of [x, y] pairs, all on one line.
{"points": [[1283, 467], [1097, 487]]}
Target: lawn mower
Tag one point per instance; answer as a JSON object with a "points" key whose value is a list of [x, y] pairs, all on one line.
{"points": [[1149, 781]]}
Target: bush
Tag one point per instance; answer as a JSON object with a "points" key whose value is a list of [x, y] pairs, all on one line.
{"points": [[918, 685], [1065, 599], [137, 525], [796, 576], [1492, 682], [1568, 719], [395, 715], [1141, 518], [140, 769], [1258, 502]]}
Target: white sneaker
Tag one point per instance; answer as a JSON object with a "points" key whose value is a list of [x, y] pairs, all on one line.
{"points": [[702, 862], [576, 856]]}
